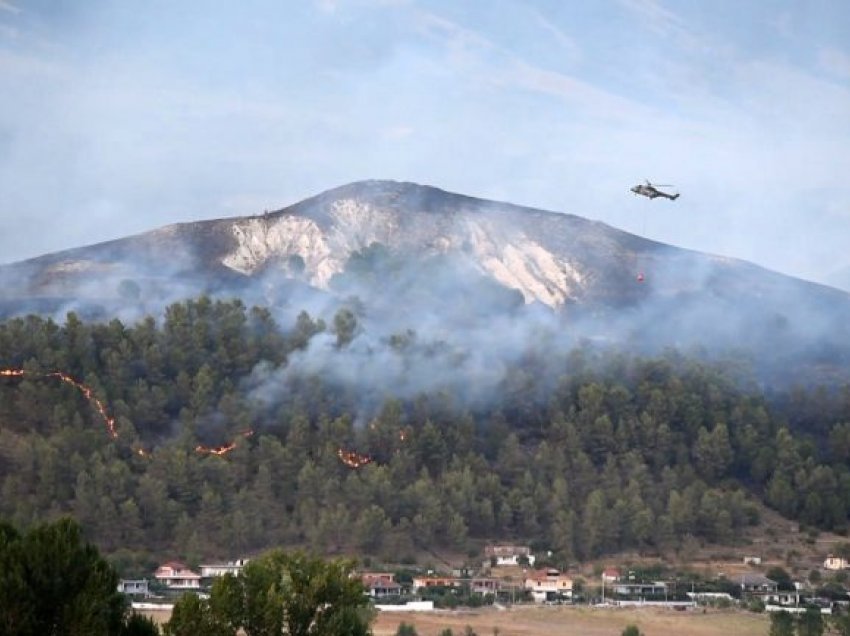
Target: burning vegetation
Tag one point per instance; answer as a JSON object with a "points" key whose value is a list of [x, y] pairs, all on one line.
{"points": [[353, 459], [67, 379]]}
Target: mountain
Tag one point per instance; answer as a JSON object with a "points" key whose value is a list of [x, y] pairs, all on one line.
{"points": [[839, 278], [404, 250], [429, 371]]}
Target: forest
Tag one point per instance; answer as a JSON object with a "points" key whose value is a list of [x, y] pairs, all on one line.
{"points": [[189, 436]]}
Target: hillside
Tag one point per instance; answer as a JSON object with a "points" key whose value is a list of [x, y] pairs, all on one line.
{"points": [[226, 442], [391, 369], [428, 259]]}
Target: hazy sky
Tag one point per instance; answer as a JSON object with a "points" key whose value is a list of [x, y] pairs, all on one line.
{"points": [[119, 117]]}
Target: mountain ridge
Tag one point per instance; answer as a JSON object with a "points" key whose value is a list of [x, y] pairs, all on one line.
{"points": [[442, 259], [362, 212]]}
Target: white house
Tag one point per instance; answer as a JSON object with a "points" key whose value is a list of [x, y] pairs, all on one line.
{"points": [[835, 563], [138, 586], [177, 576], [509, 554], [549, 585], [220, 569]]}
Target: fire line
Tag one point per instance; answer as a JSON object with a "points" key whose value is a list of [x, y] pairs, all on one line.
{"points": [[84, 389]]}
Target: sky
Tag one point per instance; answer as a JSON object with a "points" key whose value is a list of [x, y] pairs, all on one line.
{"points": [[118, 117]]}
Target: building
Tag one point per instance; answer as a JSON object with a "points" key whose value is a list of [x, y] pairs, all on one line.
{"points": [[131, 586], [549, 585], [752, 560], [380, 584], [610, 575], [484, 586], [213, 570], [640, 591], [177, 576], [758, 585], [835, 563], [424, 582], [509, 554]]}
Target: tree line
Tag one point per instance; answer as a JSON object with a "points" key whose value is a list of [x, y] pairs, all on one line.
{"points": [[612, 452]]}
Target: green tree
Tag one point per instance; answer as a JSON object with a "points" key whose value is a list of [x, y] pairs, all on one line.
{"points": [[810, 623], [192, 616], [292, 594], [781, 624], [138, 625], [841, 624], [405, 629], [54, 583], [631, 630], [345, 327]]}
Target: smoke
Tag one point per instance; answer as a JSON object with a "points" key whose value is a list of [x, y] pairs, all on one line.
{"points": [[420, 312]]}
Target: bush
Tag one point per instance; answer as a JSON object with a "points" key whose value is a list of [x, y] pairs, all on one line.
{"points": [[406, 630]]}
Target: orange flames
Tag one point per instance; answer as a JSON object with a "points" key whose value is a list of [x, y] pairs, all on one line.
{"points": [[110, 421], [85, 390], [215, 450], [221, 450], [353, 459]]}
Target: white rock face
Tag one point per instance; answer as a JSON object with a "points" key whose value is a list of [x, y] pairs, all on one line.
{"points": [[520, 263], [261, 239], [500, 250]]}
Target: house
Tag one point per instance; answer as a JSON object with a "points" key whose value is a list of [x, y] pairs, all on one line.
{"points": [[640, 591], [835, 563], [484, 586], [549, 585], [610, 575], [380, 584], [423, 582], [509, 554], [752, 560], [177, 576], [213, 570], [758, 586], [130, 586], [754, 584]]}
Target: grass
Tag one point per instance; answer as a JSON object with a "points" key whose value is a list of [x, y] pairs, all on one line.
{"points": [[578, 621]]}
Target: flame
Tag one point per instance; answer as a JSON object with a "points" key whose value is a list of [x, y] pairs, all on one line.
{"points": [[353, 459], [215, 450], [85, 390], [224, 448], [110, 421]]}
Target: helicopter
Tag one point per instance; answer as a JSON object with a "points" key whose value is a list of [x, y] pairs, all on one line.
{"points": [[652, 191]]}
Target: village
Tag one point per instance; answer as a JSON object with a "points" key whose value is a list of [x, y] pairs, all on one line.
{"points": [[509, 575]]}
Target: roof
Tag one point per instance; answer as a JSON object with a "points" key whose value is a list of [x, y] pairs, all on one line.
{"points": [[507, 550], [174, 565], [754, 578], [545, 574], [180, 570]]}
